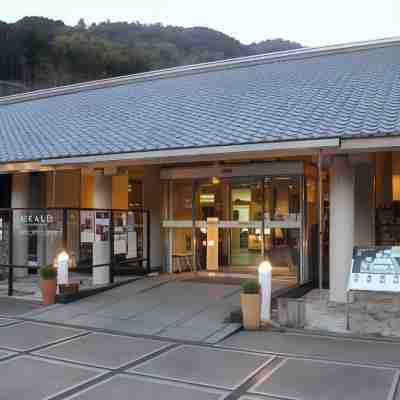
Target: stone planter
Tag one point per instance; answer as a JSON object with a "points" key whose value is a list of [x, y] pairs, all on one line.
{"points": [[292, 312], [49, 290], [251, 310]]}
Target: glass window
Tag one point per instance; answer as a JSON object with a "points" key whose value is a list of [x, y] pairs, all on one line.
{"points": [[246, 200], [182, 250], [135, 194], [282, 198], [213, 200], [182, 201]]}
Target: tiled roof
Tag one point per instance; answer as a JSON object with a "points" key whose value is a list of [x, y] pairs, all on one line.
{"points": [[349, 93]]}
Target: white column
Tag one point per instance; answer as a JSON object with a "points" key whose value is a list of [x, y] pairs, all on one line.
{"points": [[152, 202], [341, 226], [20, 198], [102, 198], [364, 210]]}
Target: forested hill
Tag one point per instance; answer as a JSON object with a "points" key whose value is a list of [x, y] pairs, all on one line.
{"points": [[38, 52]]}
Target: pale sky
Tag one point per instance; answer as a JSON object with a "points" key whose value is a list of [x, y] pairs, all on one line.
{"points": [[310, 22]]}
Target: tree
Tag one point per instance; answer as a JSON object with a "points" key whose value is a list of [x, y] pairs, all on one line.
{"points": [[40, 52], [81, 25]]}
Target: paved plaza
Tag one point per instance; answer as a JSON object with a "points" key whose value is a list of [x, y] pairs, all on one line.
{"points": [[159, 306], [41, 360], [47, 360], [54, 360]]}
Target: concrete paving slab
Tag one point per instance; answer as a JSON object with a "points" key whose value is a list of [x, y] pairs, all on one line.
{"points": [[7, 321], [28, 335], [166, 314], [138, 327], [258, 398], [4, 354], [104, 350], [63, 313], [202, 365], [153, 307], [315, 380], [93, 321], [123, 387], [127, 309], [337, 349], [37, 379], [188, 333], [227, 330], [12, 307]]}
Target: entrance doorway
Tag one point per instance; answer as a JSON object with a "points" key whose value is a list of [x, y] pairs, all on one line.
{"points": [[245, 219]]}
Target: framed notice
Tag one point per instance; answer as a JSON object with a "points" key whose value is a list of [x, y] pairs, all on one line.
{"points": [[375, 269], [102, 226], [87, 227]]}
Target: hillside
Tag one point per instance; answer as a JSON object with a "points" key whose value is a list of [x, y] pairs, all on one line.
{"points": [[38, 52]]}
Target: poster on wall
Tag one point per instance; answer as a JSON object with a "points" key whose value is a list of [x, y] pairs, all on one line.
{"points": [[120, 233], [102, 226], [375, 269], [87, 227]]}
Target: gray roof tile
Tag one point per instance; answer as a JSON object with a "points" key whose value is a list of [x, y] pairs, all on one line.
{"points": [[347, 94]]}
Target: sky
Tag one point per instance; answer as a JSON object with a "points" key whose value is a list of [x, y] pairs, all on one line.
{"points": [[310, 22]]}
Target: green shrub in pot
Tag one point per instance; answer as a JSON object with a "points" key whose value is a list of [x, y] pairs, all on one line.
{"points": [[48, 284], [251, 304], [48, 272], [251, 287]]}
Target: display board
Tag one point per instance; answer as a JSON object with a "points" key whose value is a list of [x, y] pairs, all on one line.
{"points": [[120, 233], [87, 227], [375, 269], [102, 226]]}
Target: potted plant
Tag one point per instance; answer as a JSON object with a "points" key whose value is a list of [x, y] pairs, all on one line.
{"points": [[251, 304], [48, 284]]}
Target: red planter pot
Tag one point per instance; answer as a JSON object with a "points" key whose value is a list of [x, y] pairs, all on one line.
{"points": [[49, 290]]}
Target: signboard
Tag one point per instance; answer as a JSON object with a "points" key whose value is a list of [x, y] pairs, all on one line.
{"points": [[375, 269], [36, 219]]}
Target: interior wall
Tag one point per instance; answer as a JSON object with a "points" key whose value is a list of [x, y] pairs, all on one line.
{"points": [[396, 176], [120, 193], [364, 209], [383, 181], [87, 185]]}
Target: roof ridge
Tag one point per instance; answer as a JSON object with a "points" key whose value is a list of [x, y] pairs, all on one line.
{"points": [[279, 56]]}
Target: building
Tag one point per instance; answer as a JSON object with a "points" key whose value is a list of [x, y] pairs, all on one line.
{"points": [[291, 156]]}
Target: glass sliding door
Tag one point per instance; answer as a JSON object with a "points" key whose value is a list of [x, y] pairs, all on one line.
{"points": [[257, 218], [283, 226], [178, 214], [246, 210]]}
